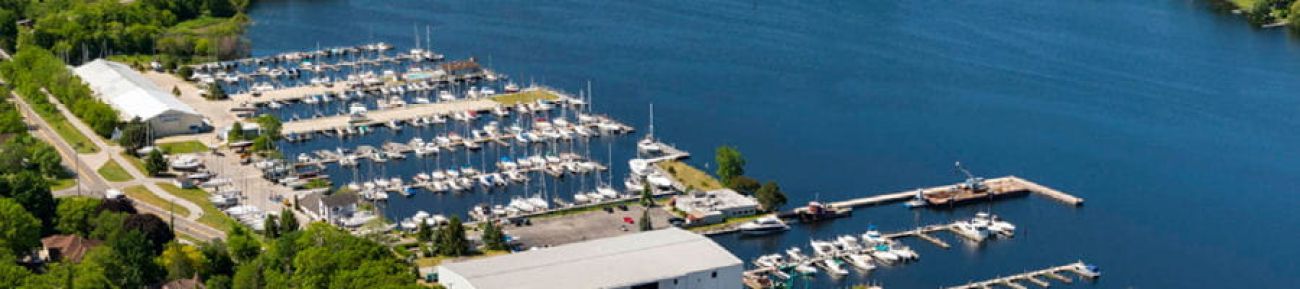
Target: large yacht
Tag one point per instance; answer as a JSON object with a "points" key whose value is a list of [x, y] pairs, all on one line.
{"points": [[764, 225]]}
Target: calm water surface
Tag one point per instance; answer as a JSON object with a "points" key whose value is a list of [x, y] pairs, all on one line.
{"points": [[1176, 123]]}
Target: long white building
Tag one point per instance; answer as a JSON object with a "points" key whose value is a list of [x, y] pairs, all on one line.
{"points": [[665, 259], [134, 96]]}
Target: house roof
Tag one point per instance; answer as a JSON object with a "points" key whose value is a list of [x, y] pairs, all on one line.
{"points": [[191, 283], [71, 247], [603, 263], [128, 91]]}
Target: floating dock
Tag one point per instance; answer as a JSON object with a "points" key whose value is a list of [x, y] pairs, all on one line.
{"points": [[998, 187], [379, 117], [1077, 268]]}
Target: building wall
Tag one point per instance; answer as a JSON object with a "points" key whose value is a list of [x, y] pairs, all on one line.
{"points": [[174, 123]]}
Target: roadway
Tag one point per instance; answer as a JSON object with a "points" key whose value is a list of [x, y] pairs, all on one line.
{"points": [[94, 185]]}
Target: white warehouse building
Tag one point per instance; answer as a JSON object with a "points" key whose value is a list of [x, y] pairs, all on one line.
{"points": [[134, 96], [664, 259]]}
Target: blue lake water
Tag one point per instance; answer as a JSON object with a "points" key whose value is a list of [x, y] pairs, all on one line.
{"points": [[1176, 123]]}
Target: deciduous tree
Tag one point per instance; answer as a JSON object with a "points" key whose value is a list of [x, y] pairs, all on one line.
{"points": [[730, 163]]}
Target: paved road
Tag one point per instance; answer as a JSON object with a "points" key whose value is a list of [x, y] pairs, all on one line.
{"points": [[89, 181], [95, 184]]}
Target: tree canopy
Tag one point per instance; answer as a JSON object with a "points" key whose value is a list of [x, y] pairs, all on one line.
{"points": [[770, 196], [19, 230], [730, 163]]}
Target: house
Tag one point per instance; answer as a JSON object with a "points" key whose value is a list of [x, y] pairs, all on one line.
{"points": [[663, 259], [69, 248], [331, 208], [134, 96], [715, 206]]}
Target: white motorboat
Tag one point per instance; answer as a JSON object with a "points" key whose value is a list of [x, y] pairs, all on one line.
{"points": [[833, 267], [881, 252], [580, 198], [823, 248], [763, 226], [860, 261], [974, 231]]}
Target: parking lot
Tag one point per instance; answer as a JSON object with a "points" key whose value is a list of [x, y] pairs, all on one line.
{"points": [[558, 230]]}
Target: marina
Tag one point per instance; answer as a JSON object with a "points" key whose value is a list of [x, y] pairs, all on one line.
{"points": [[870, 250]]}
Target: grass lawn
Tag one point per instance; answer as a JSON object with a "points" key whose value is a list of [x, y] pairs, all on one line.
{"points": [[211, 215], [185, 147], [140, 193], [135, 162], [435, 260], [113, 172], [690, 176], [73, 136], [62, 183], [525, 96]]}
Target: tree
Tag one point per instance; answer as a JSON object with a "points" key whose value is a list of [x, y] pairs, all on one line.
{"points": [[76, 215], [493, 238], [236, 132], [182, 261], [219, 282], [135, 135], [730, 163], [120, 205], [216, 92], [11, 275], [248, 276], [288, 223], [157, 232], [452, 241], [744, 184], [647, 196], [770, 196], [1293, 22], [243, 247], [154, 163], [424, 233], [270, 229], [19, 230], [645, 221], [107, 224], [218, 259], [132, 265], [30, 190], [270, 125], [47, 160], [263, 143]]}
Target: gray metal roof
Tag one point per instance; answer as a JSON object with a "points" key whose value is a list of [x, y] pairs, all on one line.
{"points": [[603, 263], [128, 91]]}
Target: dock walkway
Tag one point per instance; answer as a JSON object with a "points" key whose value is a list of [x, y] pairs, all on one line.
{"points": [[377, 117], [1078, 268]]}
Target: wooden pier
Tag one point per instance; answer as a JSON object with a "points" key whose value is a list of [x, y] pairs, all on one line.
{"points": [[1032, 277], [378, 117]]}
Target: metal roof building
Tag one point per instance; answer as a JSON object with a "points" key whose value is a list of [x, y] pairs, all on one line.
{"points": [[668, 258], [134, 96]]}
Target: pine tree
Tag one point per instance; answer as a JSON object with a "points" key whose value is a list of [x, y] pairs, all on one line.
{"points": [[155, 164], [453, 241], [645, 221], [647, 198], [493, 238], [288, 223], [271, 230]]}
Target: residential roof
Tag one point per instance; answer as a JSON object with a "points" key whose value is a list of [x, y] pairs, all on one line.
{"points": [[70, 247], [128, 91], [603, 263]]}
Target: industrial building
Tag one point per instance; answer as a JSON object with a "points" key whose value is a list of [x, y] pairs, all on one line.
{"points": [[664, 259], [134, 96], [715, 206]]}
